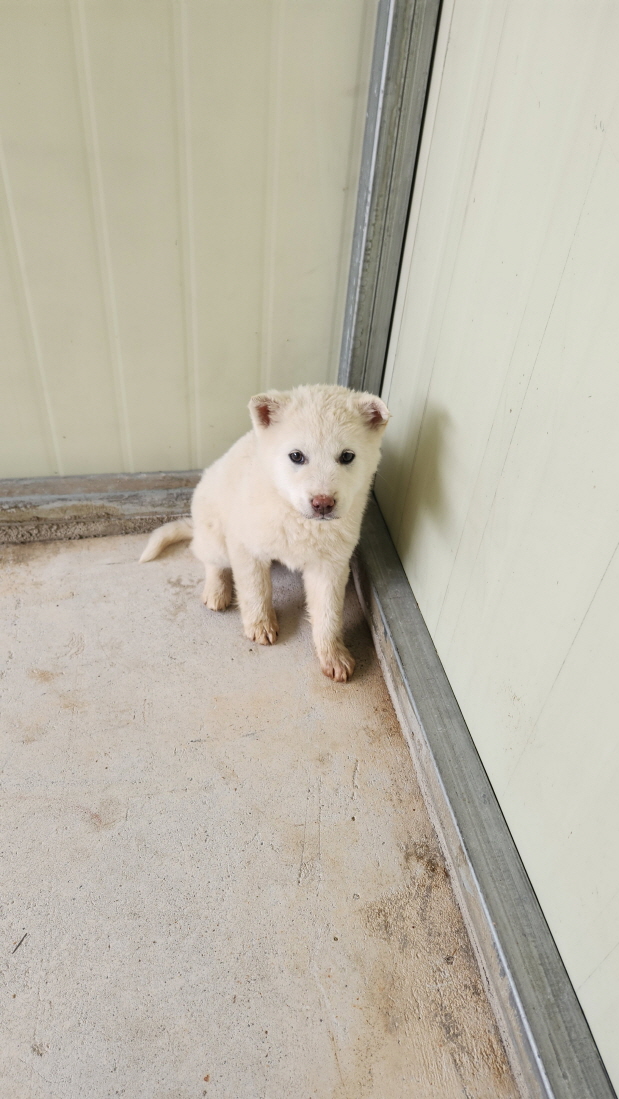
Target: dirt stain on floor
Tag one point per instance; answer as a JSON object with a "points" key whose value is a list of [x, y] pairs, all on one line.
{"points": [[428, 975]]}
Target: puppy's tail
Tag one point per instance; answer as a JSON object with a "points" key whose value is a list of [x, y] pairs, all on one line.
{"points": [[181, 530]]}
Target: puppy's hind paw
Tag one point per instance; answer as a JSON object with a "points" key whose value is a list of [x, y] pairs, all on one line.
{"points": [[216, 600], [338, 664], [217, 594], [264, 632]]}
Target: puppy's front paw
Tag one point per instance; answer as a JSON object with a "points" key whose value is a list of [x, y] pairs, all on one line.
{"points": [[265, 631], [337, 664]]}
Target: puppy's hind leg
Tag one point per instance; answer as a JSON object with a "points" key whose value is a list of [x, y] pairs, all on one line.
{"points": [[252, 579], [209, 547], [217, 592]]}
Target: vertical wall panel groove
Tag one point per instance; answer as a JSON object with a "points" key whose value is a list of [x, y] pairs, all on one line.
{"points": [[187, 224], [100, 220], [272, 153], [22, 290]]}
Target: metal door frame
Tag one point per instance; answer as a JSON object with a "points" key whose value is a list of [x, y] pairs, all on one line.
{"points": [[404, 46]]}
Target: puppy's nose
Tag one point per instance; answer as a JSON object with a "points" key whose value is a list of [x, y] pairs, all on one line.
{"points": [[323, 505]]}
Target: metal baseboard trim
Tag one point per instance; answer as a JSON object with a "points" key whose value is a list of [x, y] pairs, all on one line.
{"points": [[550, 1047], [52, 508]]}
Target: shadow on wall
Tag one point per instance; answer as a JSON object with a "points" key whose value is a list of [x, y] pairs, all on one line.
{"points": [[422, 495]]}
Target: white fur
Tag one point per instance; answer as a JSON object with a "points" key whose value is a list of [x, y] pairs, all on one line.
{"points": [[254, 506]]}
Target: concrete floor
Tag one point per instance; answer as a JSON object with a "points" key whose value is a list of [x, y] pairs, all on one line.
{"points": [[219, 877]]}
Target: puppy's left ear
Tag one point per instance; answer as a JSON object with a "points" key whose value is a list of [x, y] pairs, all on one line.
{"points": [[265, 408], [374, 411]]}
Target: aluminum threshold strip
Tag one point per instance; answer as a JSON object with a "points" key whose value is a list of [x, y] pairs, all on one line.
{"points": [[547, 1038], [49, 508]]}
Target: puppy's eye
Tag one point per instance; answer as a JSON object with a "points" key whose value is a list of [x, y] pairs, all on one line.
{"points": [[346, 457], [297, 457]]}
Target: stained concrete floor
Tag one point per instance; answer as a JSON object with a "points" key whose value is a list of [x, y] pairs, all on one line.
{"points": [[218, 875]]}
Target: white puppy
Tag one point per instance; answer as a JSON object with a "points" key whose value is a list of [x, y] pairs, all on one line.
{"points": [[293, 490]]}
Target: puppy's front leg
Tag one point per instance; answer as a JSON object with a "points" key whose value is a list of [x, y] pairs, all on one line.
{"points": [[325, 588], [252, 579]]}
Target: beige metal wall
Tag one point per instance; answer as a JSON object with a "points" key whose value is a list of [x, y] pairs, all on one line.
{"points": [[501, 477], [177, 190]]}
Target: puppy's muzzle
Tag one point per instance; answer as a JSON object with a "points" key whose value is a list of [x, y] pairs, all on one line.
{"points": [[322, 506]]}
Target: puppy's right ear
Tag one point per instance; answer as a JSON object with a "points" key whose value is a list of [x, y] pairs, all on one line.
{"points": [[266, 408]]}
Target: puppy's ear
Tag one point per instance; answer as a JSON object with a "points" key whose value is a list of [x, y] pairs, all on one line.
{"points": [[266, 408], [374, 411]]}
